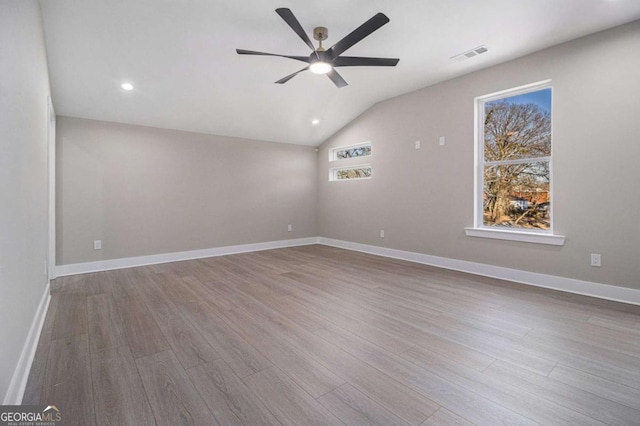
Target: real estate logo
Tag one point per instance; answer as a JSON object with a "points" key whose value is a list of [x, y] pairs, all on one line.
{"points": [[30, 415]]}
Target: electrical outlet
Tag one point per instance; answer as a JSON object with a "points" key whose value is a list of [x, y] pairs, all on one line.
{"points": [[596, 260], [442, 140], [97, 244], [417, 144], [382, 233], [289, 228]]}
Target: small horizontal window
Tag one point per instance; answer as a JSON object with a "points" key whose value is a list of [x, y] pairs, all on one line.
{"points": [[342, 153], [351, 173]]}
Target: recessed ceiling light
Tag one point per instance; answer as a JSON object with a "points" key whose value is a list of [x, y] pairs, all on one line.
{"points": [[315, 122], [127, 86]]}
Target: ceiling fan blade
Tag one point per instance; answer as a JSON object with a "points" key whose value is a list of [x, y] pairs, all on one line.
{"points": [[336, 78], [355, 61], [290, 76], [378, 20], [252, 52], [291, 20]]}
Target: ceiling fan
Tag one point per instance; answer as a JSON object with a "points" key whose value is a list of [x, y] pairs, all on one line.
{"points": [[323, 61]]}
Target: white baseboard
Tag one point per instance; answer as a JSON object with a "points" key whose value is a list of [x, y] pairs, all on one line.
{"points": [[130, 262], [570, 285], [21, 373]]}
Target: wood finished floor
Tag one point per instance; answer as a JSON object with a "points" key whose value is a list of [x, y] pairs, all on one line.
{"points": [[318, 335]]}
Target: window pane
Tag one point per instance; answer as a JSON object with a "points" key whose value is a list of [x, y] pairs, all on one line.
{"points": [[518, 127], [353, 173], [517, 196], [358, 151]]}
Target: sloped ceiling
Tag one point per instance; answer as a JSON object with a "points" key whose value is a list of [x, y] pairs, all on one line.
{"points": [[180, 56]]}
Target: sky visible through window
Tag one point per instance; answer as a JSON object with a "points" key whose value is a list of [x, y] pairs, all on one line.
{"points": [[542, 98]]}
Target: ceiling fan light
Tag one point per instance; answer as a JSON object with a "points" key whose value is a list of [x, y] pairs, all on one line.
{"points": [[320, 67]]}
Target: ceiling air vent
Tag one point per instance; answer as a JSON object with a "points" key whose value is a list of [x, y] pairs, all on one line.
{"points": [[470, 53]]}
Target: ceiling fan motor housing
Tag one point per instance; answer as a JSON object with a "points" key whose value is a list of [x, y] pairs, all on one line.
{"points": [[320, 33]]}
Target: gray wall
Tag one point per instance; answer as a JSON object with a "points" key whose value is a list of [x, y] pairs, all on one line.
{"points": [[24, 87], [146, 191], [423, 198]]}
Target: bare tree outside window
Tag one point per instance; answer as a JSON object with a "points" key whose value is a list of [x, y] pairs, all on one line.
{"points": [[515, 160], [350, 173], [349, 155], [351, 152]]}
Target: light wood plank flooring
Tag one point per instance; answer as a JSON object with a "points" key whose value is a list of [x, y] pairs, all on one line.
{"points": [[318, 335]]}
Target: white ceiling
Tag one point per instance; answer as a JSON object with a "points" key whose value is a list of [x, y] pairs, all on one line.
{"points": [[180, 56]]}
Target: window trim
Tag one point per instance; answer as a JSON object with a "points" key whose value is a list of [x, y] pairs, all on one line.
{"points": [[333, 172], [332, 151], [516, 234], [536, 237]]}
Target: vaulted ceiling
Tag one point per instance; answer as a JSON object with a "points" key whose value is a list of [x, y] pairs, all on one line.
{"points": [[180, 56]]}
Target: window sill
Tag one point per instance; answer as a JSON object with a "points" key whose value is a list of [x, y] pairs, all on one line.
{"points": [[510, 235]]}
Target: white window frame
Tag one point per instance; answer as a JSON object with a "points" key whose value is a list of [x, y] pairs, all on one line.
{"points": [[333, 172], [333, 151], [517, 234]]}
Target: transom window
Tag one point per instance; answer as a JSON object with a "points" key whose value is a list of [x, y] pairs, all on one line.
{"points": [[351, 173], [347, 156], [353, 151], [513, 152]]}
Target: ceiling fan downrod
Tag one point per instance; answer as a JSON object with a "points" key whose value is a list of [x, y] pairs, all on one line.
{"points": [[320, 34]]}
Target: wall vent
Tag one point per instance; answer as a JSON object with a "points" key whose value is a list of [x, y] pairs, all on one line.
{"points": [[470, 53]]}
